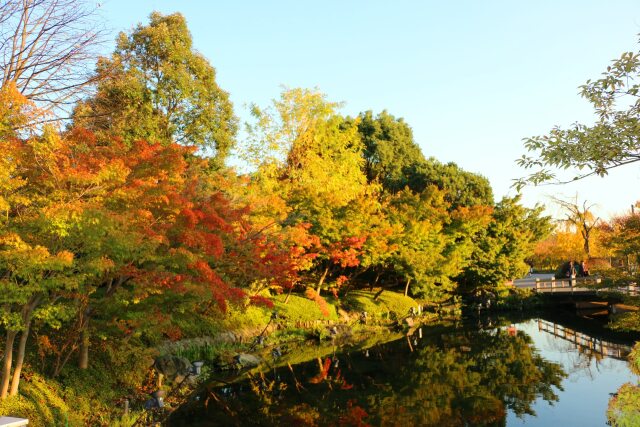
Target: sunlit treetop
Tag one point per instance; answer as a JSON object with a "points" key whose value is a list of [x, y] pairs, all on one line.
{"points": [[156, 87]]}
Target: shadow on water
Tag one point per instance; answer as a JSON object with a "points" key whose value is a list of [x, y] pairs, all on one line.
{"points": [[467, 374]]}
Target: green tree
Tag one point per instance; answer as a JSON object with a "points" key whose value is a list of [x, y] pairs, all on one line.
{"points": [[33, 279], [389, 149], [421, 254], [393, 159], [593, 149], [156, 87], [462, 188], [503, 245]]}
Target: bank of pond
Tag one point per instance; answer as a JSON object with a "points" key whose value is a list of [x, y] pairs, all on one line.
{"points": [[369, 358], [537, 370]]}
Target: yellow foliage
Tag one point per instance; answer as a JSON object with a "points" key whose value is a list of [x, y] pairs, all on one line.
{"points": [[564, 244], [65, 257]]}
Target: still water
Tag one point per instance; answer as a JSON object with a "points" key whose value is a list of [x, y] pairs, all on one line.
{"points": [[532, 372]]}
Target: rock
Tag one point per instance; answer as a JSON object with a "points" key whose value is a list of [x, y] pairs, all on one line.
{"points": [[247, 360], [344, 315], [174, 368], [225, 337]]}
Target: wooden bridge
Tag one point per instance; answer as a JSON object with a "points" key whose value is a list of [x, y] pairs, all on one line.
{"points": [[579, 285], [585, 343]]}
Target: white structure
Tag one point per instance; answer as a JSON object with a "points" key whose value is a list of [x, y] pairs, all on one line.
{"points": [[13, 422]]}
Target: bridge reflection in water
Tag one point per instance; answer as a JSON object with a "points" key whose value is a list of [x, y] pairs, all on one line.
{"points": [[584, 343]]}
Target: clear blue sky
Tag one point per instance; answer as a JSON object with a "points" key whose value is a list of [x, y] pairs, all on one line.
{"points": [[472, 78]]}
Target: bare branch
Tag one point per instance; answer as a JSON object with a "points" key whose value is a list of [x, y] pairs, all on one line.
{"points": [[48, 49]]}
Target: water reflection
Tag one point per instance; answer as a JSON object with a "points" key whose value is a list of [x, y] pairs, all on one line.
{"points": [[439, 376], [594, 359], [584, 343]]}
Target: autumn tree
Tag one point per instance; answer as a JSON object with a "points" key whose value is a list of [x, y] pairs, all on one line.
{"points": [[156, 87], [35, 273], [624, 236], [312, 157], [562, 245], [580, 217], [174, 240], [101, 233]]}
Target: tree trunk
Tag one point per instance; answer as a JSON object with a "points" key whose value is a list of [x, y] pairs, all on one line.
{"points": [[22, 344], [375, 282], [83, 362], [321, 281], [586, 236], [587, 248], [286, 300], [406, 288], [6, 366], [60, 362], [85, 335], [27, 312]]}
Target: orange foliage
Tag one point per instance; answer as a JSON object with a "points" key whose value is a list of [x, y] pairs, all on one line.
{"points": [[347, 252], [354, 416], [322, 303]]}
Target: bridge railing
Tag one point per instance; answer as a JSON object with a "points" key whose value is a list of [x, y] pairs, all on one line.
{"points": [[582, 284], [566, 285]]}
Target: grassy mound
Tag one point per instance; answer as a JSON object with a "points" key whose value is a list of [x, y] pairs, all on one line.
{"points": [[388, 306], [302, 309]]}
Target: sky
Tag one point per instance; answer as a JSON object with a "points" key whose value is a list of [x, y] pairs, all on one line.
{"points": [[472, 78]]}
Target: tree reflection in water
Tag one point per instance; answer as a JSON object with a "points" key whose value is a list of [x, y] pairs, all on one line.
{"points": [[452, 378]]}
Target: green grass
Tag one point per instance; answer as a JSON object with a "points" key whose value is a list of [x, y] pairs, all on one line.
{"points": [[389, 305], [202, 348], [242, 318], [302, 309], [41, 402]]}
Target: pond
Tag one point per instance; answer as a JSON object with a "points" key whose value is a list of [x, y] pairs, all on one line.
{"points": [[532, 372]]}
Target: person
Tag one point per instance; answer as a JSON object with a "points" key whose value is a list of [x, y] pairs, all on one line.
{"points": [[585, 269], [572, 270]]}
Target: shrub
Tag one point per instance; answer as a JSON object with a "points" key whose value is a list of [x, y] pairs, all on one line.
{"points": [[624, 408]]}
